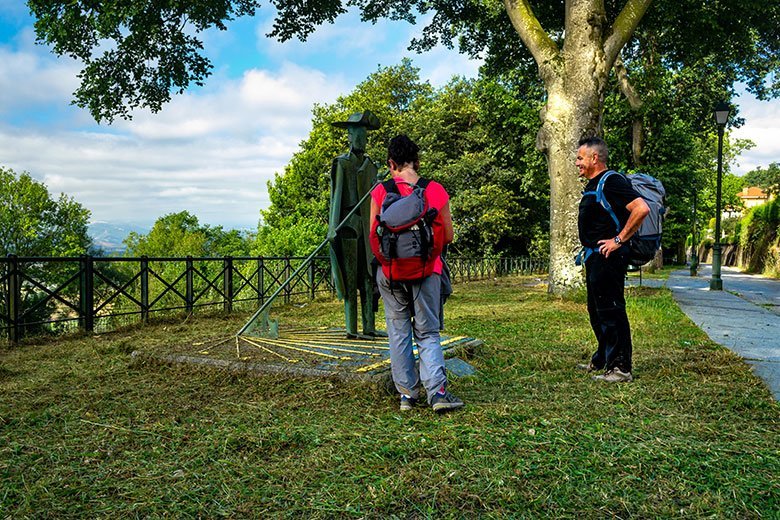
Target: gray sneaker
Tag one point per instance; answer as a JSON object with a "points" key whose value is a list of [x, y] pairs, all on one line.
{"points": [[615, 376], [589, 367], [407, 403], [445, 402]]}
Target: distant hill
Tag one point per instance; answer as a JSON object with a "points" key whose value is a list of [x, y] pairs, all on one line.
{"points": [[109, 236]]}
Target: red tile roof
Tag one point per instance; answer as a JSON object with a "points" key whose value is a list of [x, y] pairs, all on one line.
{"points": [[752, 193]]}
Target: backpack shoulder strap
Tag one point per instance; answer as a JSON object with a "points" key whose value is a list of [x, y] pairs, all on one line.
{"points": [[391, 187], [601, 199]]}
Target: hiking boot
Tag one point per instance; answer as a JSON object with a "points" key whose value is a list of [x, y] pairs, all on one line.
{"points": [[615, 376], [589, 367], [407, 403], [445, 402]]}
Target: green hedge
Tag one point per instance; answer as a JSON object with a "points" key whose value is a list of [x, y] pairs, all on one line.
{"points": [[758, 238]]}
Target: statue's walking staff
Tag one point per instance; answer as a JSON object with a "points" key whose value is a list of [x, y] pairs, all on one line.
{"points": [[260, 324]]}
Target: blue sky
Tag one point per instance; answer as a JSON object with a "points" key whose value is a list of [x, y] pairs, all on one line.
{"points": [[212, 150]]}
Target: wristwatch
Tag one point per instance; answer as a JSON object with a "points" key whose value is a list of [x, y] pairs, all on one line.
{"points": [[617, 240]]}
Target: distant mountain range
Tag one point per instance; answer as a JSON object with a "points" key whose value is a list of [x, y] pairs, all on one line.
{"points": [[109, 236]]}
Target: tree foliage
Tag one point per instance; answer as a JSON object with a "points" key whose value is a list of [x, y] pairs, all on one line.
{"points": [[679, 138], [297, 219], [767, 179], [33, 223], [482, 155], [760, 230], [136, 53], [180, 234]]}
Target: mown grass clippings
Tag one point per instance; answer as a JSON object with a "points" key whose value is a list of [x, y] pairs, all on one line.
{"points": [[85, 433]]}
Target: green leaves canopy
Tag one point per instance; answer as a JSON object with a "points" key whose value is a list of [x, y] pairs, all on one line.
{"points": [[476, 138], [768, 179], [180, 234], [33, 223], [136, 53]]}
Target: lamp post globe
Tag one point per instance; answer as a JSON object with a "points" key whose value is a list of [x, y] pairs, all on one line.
{"points": [[721, 114]]}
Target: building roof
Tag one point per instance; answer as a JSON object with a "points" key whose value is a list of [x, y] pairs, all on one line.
{"points": [[752, 192]]}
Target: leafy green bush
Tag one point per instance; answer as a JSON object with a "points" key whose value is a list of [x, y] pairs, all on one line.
{"points": [[759, 237]]}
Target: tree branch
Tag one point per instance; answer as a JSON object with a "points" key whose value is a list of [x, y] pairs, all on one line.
{"points": [[542, 47], [635, 102], [626, 88], [624, 26]]}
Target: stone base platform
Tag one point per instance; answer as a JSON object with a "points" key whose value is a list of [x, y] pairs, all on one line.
{"points": [[317, 352]]}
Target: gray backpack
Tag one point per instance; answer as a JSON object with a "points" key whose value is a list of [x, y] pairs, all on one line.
{"points": [[406, 237], [647, 240]]}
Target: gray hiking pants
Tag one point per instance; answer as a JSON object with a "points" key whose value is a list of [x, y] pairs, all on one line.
{"points": [[413, 308]]}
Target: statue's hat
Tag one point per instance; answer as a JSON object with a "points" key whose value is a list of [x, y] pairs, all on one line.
{"points": [[367, 119]]}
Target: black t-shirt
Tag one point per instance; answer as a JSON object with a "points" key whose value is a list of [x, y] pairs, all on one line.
{"points": [[594, 222]]}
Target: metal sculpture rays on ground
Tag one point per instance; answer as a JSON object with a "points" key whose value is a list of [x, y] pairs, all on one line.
{"points": [[261, 346], [260, 324]]}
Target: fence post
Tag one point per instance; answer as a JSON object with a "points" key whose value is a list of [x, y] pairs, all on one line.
{"points": [[260, 280], [311, 277], [14, 299], [86, 294], [227, 283], [286, 276], [189, 291], [144, 289]]}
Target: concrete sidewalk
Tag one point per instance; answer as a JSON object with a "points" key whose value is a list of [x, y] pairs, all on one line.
{"points": [[744, 316]]}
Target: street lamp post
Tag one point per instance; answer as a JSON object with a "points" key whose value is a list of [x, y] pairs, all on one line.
{"points": [[721, 116], [694, 244]]}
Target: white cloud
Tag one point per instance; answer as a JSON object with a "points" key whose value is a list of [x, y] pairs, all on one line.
{"points": [[762, 126], [261, 102], [30, 77], [347, 38], [132, 179], [439, 65], [211, 154], [210, 151], [361, 47]]}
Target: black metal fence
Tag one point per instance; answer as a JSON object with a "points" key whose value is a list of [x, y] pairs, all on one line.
{"points": [[98, 294], [463, 269]]}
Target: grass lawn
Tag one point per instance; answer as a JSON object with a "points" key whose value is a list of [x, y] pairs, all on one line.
{"points": [[84, 433]]}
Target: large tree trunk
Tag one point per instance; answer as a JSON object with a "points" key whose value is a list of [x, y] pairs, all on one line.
{"points": [[574, 103], [575, 78], [572, 111]]}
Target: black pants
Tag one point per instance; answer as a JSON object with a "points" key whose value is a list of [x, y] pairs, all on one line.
{"points": [[605, 280]]}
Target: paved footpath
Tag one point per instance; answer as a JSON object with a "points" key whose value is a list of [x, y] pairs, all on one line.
{"points": [[744, 316]]}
